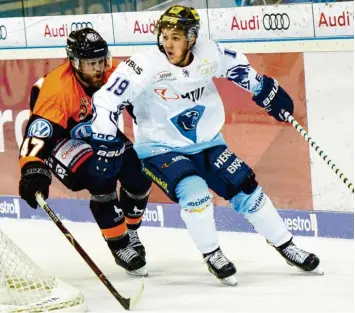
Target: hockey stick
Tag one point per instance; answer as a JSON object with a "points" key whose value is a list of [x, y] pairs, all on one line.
{"points": [[127, 303], [320, 152]]}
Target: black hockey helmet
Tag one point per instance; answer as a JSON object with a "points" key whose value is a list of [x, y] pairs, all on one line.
{"points": [[179, 17], [86, 43]]}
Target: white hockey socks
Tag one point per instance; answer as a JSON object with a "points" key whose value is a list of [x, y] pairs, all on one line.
{"points": [[268, 223], [201, 228]]}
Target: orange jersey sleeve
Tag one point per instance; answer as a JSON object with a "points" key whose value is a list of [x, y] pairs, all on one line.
{"points": [[50, 109], [53, 102]]}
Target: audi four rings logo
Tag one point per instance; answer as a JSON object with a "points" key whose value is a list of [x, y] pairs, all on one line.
{"points": [[80, 25], [276, 21], [3, 32]]}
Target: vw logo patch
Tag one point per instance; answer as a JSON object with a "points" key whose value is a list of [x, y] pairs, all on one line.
{"points": [[40, 128]]}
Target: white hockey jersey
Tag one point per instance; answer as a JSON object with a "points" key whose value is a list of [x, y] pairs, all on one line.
{"points": [[175, 108]]}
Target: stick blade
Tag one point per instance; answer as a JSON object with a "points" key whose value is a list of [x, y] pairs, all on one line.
{"points": [[133, 301]]}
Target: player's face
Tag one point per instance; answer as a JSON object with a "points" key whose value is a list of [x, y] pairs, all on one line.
{"points": [[92, 71], [175, 46]]}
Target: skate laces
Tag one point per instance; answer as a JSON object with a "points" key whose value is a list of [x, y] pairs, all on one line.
{"points": [[134, 240], [126, 254], [295, 254], [217, 259]]}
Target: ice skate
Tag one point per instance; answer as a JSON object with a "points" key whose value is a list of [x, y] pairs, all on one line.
{"points": [[131, 261], [304, 260], [135, 243], [221, 267]]}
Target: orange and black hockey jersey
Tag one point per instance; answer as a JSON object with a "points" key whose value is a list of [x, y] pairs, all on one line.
{"points": [[58, 104]]}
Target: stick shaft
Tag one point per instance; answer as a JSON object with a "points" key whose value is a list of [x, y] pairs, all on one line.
{"points": [[123, 301], [320, 152]]}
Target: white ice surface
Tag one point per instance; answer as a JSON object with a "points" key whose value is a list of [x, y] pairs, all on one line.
{"points": [[178, 279]]}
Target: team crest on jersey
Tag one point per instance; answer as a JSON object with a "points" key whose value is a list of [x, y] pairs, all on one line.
{"points": [[186, 121], [185, 72], [83, 112], [40, 128]]}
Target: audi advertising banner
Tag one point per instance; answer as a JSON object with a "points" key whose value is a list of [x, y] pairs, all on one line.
{"points": [[261, 22], [256, 23], [12, 32], [139, 26], [54, 30], [334, 20]]}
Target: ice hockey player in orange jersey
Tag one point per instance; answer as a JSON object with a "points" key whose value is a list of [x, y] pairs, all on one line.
{"points": [[56, 142]]}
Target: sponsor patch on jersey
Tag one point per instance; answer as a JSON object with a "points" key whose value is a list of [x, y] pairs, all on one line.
{"points": [[166, 94], [207, 69], [164, 75], [134, 66], [40, 128], [194, 95]]}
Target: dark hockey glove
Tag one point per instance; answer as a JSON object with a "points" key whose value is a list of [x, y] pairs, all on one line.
{"points": [[273, 98], [107, 159], [35, 176]]}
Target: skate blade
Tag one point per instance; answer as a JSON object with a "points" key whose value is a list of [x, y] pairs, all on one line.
{"points": [[143, 271], [230, 281], [318, 271]]}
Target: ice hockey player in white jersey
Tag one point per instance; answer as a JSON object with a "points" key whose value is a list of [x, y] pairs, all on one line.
{"points": [[178, 118]]}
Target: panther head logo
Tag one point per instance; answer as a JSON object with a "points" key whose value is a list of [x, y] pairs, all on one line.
{"points": [[188, 120], [240, 75]]}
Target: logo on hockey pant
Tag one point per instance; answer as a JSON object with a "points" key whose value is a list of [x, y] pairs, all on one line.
{"points": [[186, 122], [174, 160]]}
